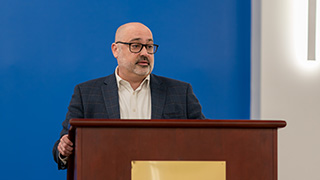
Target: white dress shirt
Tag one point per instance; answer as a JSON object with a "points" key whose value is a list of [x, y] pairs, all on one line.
{"points": [[134, 104]]}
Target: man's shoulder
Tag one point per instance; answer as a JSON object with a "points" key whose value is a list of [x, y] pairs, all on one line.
{"points": [[168, 81], [97, 82]]}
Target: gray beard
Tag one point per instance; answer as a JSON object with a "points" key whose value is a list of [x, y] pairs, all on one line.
{"points": [[142, 71]]}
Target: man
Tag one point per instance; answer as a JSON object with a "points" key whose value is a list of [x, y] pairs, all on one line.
{"points": [[132, 92]]}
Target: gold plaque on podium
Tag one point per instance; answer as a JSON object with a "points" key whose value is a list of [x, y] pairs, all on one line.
{"points": [[178, 170]]}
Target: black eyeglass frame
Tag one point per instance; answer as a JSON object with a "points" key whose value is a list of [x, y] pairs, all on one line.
{"points": [[142, 45]]}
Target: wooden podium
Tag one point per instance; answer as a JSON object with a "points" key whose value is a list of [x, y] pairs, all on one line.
{"points": [[104, 148]]}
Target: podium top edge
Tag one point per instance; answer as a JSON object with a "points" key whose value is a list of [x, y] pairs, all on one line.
{"points": [[178, 123]]}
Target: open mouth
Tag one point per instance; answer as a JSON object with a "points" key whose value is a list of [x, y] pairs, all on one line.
{"points": [[143, 63]]}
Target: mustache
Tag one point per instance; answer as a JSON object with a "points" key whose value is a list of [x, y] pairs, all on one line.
{"points": [[143, 58]]}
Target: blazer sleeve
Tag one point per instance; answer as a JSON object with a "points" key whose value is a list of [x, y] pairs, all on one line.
{"points": [[194, 109], [75, 110]]}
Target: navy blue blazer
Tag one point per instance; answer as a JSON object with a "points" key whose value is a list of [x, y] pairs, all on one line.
{"points": [[98, 98]]}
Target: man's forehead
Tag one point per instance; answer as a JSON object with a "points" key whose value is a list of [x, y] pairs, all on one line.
{"points": [[140, 39], [137, 34]]}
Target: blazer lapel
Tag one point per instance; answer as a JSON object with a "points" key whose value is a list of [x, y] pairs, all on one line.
{"points": [[110, 96], [158, 96]]}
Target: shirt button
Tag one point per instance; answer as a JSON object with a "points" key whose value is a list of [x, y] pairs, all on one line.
{"points": [[134, 110]]}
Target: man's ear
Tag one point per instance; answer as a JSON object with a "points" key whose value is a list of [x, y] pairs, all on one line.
{"points": [[115, 50]]}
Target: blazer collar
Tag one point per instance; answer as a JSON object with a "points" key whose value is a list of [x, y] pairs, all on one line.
{"points": [[111, 98], [158, 96]]}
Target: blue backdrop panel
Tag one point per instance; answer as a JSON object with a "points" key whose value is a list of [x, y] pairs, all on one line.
{"points": [[47, 47]]}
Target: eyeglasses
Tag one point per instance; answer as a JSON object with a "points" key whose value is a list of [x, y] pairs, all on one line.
{"points": [[137, 47]]}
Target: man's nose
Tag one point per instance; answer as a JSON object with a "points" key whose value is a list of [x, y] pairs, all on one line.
{"points": [[144, 50]]}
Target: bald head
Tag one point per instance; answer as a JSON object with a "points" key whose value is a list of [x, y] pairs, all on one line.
{"points": [[130, 30]]}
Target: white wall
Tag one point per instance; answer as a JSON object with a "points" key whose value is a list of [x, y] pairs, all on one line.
{"points": [[285, 85]]}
